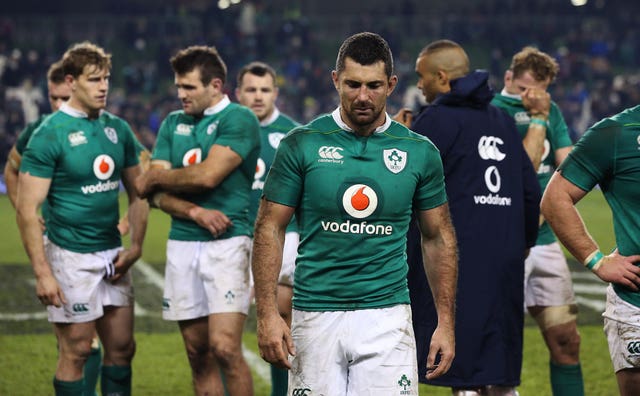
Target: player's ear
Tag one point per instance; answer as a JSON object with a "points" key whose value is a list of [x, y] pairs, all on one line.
{"points": [[334, 77], [508, 77], [70, 81]]}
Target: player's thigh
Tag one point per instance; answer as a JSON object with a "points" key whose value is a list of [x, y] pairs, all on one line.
{"points": [[80, 276], [74, 339], [547, 277], [628, 381], [385, 353], [622, 328], [115, 329], [184, 297], [320, 365], [225, 271], [195, 334], [225, 329]]}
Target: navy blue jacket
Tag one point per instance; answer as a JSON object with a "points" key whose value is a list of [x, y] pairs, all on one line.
{"points": [[494, 200]]}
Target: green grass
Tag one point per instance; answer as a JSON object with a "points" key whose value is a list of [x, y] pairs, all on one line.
{"points": [[27, 348]]}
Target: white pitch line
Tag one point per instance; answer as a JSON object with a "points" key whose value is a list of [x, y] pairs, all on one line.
{"points": [[596, 305], [260, 366], [17, 317], [599, 289], [588, 276]]}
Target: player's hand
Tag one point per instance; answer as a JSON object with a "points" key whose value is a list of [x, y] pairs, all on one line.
{"points": [[620, 269], [274, 340], [123, 226], [212, 220], [405, 117], [123, 261], [43, 225], [49, 292], [537, 101], [441, 352], [144, 183]]}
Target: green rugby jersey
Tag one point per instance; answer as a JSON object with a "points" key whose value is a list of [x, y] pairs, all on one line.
{"points": [[185, 140], [84, 159], [271, 132], [609, 154], [557, 138], [354, 197], [25, 135]]}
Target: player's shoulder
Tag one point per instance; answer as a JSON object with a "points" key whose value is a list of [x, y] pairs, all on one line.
{"points": [[110, 119], [627, 119], [285, 122], [321, 125], [236, 110]]}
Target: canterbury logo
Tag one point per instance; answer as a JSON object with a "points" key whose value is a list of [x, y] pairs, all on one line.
{"points": [[300, 392], [634, 348], [80, 308], [329, 152], [489, 150]]}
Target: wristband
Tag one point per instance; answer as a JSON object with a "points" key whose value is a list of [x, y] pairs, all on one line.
{"points": [[594, 260], [537, 121]]}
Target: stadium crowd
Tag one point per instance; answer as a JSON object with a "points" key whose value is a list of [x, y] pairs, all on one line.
{"points": [[595, 48]]}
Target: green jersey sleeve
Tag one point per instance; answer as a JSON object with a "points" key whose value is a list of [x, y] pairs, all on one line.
{"points": [[285, 186], [431, 188], [239, 130], [591, 160], [41, 154]]}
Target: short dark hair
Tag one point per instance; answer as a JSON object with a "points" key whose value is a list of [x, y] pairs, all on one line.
{"points": [[55, 74], [439, 45], [541, 65], [259, 69], [82, 54], [366, 48], [207, 59]]}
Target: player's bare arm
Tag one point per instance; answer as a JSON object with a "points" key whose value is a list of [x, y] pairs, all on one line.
{"points": [[538, 103], [11, 171], [439, 249], [558, 207], [33, 191], [213, 220], [274, 336], [220, 162], [138, 213]]}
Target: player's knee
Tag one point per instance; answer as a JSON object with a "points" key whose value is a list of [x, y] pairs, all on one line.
{"points": [[120, 353], [75, 352], [568, 341], [227, 353]]}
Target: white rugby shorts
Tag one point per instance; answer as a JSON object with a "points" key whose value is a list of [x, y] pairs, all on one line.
{"points": [[81, 277], [361, 352], [289, 255], [622, 328], [547, 279], [204, 278]]}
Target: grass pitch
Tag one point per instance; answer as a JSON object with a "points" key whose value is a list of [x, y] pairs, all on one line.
{"points": [[27, 343]]}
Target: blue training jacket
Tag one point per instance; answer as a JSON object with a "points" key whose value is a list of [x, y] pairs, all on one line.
{"points": [[494, 200]]}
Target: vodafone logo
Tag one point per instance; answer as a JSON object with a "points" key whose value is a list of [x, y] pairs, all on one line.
{"points": [[359, 201], [261, 168], [103, 167], [192, 157]]}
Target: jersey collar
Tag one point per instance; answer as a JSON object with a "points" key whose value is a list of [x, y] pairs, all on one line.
{"points": [[218, 107], [508, 95], [274, 116], [338, 120], [73, 112]]}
